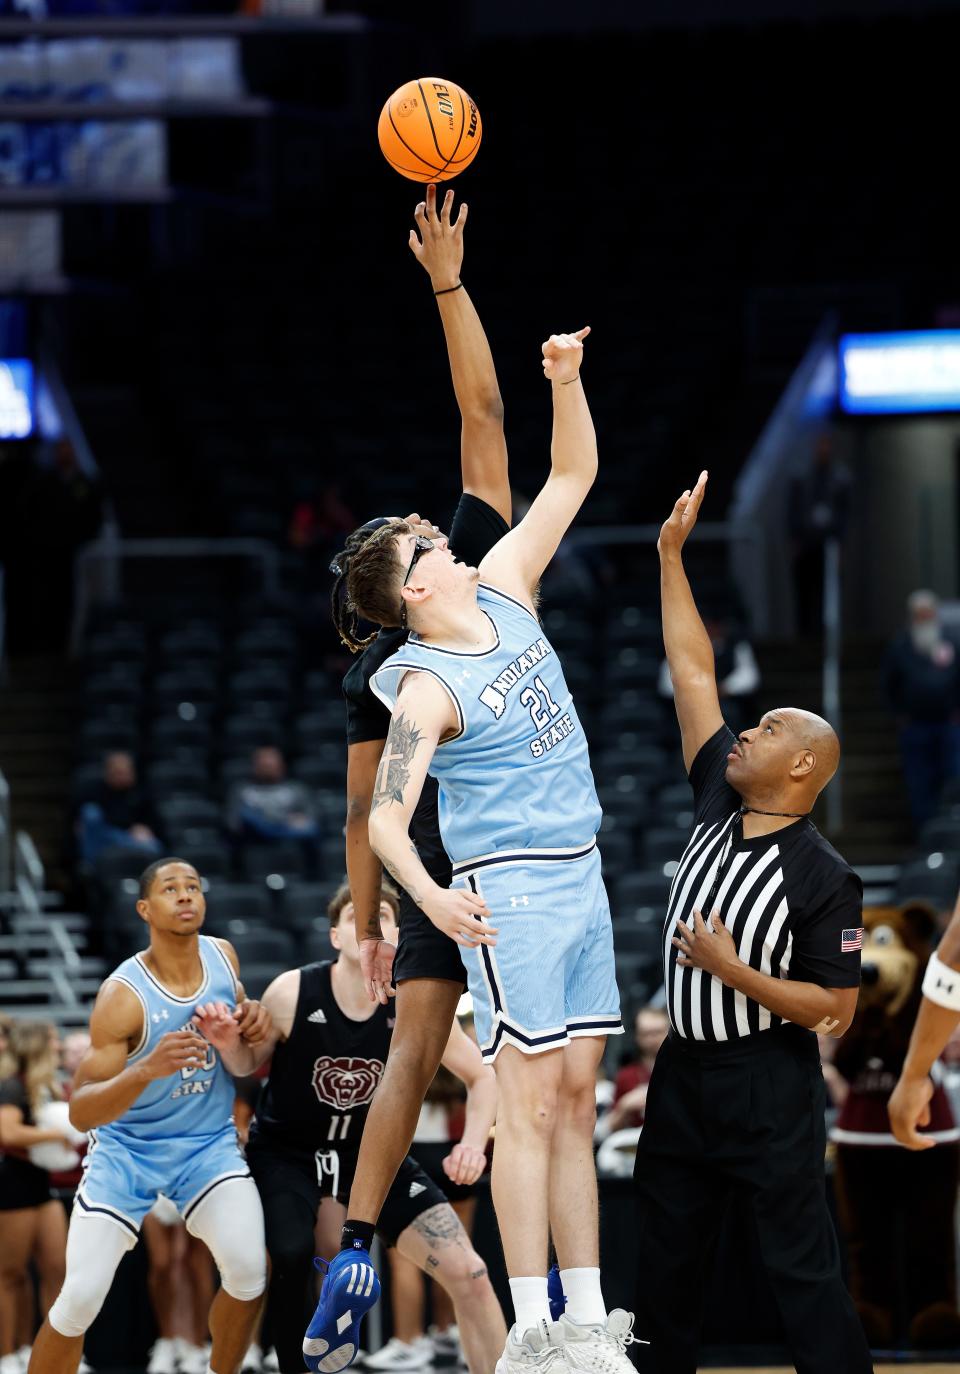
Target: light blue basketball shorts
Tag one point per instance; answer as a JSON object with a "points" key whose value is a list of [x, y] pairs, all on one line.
{"points": [[121, 1179], [551, 975]]}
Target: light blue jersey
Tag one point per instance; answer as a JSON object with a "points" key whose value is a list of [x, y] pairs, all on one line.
{"points": [[516, 776], [178, 1138]]}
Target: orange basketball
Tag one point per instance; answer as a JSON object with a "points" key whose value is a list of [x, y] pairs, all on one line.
{"points": [[429, 130]]}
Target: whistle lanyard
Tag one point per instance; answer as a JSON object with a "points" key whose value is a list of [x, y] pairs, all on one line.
{"points": [[723, 868]]}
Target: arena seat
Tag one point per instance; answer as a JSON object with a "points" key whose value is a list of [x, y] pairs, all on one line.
{"points": [[661, 843], [934, 879], [941, 833], [285, 857], [240, 901], [256, 943], [648, 888]]}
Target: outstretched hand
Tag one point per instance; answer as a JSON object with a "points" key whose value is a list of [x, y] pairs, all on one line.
{"points": [[683, 517], [439, 247], [563, 354]]}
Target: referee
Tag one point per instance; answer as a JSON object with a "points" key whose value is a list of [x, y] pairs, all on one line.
{"points": [[761, 949]]}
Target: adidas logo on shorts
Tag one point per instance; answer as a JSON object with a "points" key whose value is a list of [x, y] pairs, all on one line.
{"points": [[417, 1188], [319, 1017]]}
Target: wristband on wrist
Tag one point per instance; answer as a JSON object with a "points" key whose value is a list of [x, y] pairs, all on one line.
{"points": [[447, 289], [941, 984], [571, 381]]}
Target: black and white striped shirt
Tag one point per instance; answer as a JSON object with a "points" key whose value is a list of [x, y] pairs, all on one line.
{"points": [[791, 902]]}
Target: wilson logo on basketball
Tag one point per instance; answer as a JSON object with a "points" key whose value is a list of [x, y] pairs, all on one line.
{"points": [[346, 1083], [407, 107]]}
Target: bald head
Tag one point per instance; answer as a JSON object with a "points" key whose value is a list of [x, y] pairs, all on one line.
{"points": [[816, 736], [785, 762]]}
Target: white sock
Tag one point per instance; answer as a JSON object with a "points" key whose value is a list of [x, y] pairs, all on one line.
{"points": [[530, 1302], [581, 1288]]}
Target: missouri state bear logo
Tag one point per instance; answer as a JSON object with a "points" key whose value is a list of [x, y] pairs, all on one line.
{"points": [[346, 1083]]}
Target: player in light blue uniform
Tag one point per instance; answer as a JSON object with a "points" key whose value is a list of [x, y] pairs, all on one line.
{"points": [[519, 816], [479, 700], [169, 1027]]}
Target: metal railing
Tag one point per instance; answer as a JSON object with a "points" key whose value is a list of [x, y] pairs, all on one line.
{"points": [[98, 570], [709, 531], [29, 877]]}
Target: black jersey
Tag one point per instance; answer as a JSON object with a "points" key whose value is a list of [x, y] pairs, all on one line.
{"points": [[475, 528], [324, 1075], [792, 904]]}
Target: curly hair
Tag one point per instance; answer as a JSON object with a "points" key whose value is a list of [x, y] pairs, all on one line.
{"points": [[365, 570]]}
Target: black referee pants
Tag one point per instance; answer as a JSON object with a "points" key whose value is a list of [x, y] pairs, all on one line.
{"points": [[745, 1116]]}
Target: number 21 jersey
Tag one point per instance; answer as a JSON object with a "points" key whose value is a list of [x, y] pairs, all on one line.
{"points": [[516, 775]]}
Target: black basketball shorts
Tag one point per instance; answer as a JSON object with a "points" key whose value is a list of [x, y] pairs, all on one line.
{"points": [[423, 951], [329, 1173]]}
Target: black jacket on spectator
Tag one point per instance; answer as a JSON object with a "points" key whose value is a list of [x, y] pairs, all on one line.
{"points": [[918, 687], [123, 807]]}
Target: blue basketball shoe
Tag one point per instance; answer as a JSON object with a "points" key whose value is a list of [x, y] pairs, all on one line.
{"points": [[558, 1301], [350, 1289]]}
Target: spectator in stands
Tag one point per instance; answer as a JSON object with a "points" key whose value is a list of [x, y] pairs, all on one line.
{"points": [[33, 1225], [73, 1047], [8, 1064], [738, 676], [117, 812], [818, 508], [16, 1302], [921, 678], [630, 1089], [269, 805]]}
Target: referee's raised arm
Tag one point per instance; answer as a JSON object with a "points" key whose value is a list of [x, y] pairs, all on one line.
{"points": [[687, 644]]}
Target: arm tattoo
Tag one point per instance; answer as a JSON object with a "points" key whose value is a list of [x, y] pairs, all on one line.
{"points": [[394, 771], [395, 875], [440, 1226]]}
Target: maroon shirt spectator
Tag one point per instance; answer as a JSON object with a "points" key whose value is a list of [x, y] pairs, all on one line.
{"points": [[630, 1086]]}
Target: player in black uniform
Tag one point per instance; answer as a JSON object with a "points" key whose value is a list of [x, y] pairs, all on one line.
{"points": [[330, 1050], [428, 972]]}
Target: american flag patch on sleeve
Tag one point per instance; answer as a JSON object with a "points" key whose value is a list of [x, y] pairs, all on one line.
{"points": [[851, 940]]}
